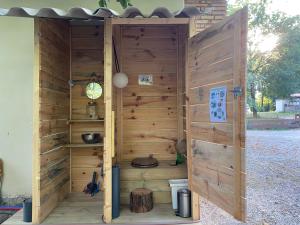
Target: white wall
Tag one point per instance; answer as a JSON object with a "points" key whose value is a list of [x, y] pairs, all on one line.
{"points": [[280, 105], [16, 53], [16, 69]]}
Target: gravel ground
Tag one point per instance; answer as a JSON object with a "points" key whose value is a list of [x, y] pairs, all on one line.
{"points": [[273, 181]]}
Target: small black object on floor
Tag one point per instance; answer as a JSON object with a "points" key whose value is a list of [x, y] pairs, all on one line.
{"points": [[92, 188]]}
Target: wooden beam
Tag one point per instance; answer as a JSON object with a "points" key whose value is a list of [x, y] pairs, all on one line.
{"points": [[239, 71], [181, 36], [117, 33], [107, 156], [113, 153], [36, 128], [192, 27], [70, 108], [195, 196], [145, 21]]}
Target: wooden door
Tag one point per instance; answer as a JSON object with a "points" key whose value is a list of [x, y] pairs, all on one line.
{"points": [[216, 134]]}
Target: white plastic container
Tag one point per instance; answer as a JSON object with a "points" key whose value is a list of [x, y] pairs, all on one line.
{"points": [[175, 185]]}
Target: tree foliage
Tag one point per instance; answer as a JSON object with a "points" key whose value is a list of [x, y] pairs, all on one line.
{"points": [[282, 74], [274, 74]]}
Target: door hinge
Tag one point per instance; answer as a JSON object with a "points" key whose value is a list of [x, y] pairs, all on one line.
{"points": [[237, 91]]}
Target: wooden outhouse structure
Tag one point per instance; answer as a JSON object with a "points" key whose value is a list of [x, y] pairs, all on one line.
{"points": [[184, 66]]}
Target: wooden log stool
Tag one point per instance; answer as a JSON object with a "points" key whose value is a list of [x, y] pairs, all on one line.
{"points": [[141, 200]]}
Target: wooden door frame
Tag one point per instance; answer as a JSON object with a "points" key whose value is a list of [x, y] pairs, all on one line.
{"points": [[108, 137], [195, 196], [36, 150]]}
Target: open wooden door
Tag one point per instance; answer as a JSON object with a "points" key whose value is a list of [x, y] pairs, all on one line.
{"points": [[216, 131]]}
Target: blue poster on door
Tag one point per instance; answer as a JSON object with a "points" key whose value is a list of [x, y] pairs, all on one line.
{"points": [[217, 104]]}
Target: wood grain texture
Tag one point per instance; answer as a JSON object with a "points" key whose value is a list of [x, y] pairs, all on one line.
{"points": [[195, 195], [216, 58], [149, 113], [87, 57], [51, 166], [155, 179], [108, 142]]}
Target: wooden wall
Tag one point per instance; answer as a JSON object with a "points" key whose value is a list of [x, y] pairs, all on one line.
{"points": [[87, 57], [217, 58], [149, 113], [51, 114]]}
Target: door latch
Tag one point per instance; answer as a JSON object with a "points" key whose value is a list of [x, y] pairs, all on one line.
{"points": [[237, 91]]}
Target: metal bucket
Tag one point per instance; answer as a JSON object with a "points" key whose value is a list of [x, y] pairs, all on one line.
{"points": [[184, 203]]}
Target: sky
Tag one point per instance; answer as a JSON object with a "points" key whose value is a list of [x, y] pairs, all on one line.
{"points": [[290, 7], [268, 43]]}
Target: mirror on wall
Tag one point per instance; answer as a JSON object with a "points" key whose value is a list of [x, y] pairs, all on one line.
{"points": [[93, 90]]}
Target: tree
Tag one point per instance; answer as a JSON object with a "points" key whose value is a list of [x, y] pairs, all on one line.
{"points": [[256, 59], [282, 75], [124, 3], [273, 74]]}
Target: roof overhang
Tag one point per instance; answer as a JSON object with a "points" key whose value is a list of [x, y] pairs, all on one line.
{"points": [[99, 14]]}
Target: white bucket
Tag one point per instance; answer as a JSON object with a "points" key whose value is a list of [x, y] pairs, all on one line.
{"points": [[175, 185]]}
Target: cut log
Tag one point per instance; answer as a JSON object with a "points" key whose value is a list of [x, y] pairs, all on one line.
{"points": [[141, 200]]}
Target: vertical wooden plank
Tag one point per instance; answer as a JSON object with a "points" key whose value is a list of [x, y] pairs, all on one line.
{"points": [[113, 153], [107, 157], [195, 206], [239, 71], [192, 27], [119, 99], [36, 128], [70, 109], [180, 80], [195, 196]]}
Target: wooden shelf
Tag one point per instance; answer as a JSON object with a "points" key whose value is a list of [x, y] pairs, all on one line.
{"points": [[85, 121], [84, 145]]}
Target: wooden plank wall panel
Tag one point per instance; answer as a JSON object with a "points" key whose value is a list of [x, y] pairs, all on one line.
{"points": [[155, 179], [87, 58], [149, 113], [217, 59], [54, 71]]}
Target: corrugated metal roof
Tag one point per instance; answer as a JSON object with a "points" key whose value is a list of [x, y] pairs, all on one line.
{"points": [[83, 14]]}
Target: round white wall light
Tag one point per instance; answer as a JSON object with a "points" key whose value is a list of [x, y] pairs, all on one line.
{"points": [[120, 80]]}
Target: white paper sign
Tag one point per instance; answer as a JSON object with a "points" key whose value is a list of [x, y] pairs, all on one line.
{"points": [[217, 104], [145, 79]]}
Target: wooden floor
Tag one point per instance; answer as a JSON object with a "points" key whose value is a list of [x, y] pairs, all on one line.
{"points": [[79, 208], [160, 214], [17, 218]]}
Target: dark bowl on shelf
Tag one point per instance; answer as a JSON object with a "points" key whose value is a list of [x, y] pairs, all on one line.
{"points": [[91, 138]]}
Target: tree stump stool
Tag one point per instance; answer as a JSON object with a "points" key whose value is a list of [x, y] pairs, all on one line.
{"points": [[141, 200]]}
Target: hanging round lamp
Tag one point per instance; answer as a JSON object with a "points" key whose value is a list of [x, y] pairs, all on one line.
{"points": [[120, 80]]}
